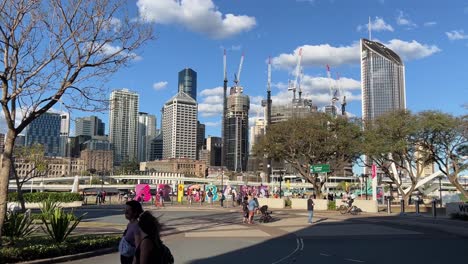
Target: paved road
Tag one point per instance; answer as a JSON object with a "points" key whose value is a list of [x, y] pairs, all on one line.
{"points": [[210, 236]]}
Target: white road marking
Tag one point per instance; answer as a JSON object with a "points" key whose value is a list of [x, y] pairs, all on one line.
{"points": [[323, 254], [290, 254], [354, 260], [302, 244]]}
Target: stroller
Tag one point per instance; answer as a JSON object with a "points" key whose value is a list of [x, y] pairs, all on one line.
{"points": [[266, 215]]}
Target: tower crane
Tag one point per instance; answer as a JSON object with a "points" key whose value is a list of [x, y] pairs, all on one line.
{"points": [[333, 94], [343, 102], [237, 78], [293, 86]]}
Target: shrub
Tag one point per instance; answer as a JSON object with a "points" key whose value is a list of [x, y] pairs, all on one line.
{"points": [[48, 207], [37, 197], [18, 225], [60, 224], [331, 205], [287, 202], [41, 247]]}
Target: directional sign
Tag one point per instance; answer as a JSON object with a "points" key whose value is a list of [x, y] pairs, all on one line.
{"points": [[319, 168]]}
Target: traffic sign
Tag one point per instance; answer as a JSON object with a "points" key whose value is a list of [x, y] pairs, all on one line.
{"points": [[319, 168]]}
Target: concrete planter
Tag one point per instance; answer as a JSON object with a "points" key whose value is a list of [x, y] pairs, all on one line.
{"points": [[272, 203], [369, 206], [459, 208]]}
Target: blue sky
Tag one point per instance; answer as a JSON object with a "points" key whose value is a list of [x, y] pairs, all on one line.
{"points": [[431, 36]]}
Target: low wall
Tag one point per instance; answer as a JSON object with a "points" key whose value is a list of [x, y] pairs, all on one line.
{"points": [[272, 203], [15, 205], [457, 208], [301, 204], [369, 206]]}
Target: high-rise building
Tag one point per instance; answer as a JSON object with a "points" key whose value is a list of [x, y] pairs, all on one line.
{"points": [[123, 131], [180, 127], [256, 131], [156, 148], [237, 130], [146, 132], [382, 80], [64, 134], [20, 140], [200, 138], [188, 82], [89, 126], [213, 147], [45, 130]]}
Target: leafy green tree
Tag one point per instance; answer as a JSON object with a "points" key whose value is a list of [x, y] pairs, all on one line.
{"points": [[317, 139], [445, 137], [33, 157], [59, 51], [394, 139]]}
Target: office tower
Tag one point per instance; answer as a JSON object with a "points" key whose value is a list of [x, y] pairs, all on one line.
{"points": [[64, 134], [2, 142], [256, 131], [180, 127], [213, 146], [382, 80], [156, 148], [200, 137], [123, 129], [188, 82], [89, 126], [236, 130], [146, 132], [20, 140], [45, 130]]}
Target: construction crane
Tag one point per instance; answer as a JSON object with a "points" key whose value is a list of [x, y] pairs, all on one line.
{"points": [[333, 94], [293, 86], [237, 78], [300, 84], [343, 102]]}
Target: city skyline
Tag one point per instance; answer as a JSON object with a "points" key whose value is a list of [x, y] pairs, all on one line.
{"points": [[429, 36]]}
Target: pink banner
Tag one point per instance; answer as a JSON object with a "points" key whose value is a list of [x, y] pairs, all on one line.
{"points": [[374, 171]]}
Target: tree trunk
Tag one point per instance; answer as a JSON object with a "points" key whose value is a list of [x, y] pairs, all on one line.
{"points": [[18, 187], [454, 181], [4, 175]]}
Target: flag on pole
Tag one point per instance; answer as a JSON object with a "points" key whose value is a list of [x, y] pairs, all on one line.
{"points": [[374, 171]]}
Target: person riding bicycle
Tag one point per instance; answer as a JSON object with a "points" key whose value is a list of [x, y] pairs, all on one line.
{"points": [[350, 201]]}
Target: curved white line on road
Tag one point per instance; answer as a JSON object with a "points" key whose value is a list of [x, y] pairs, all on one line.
{"points": [[323, 254], [302, 244], [354, 260], [290, 254]]}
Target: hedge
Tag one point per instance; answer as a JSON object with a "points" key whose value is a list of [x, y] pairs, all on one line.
{"points": [[37, 197], [43, 247]]}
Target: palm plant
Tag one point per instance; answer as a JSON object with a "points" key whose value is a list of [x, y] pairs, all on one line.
{"points": [[18, 225], [60, 224]]}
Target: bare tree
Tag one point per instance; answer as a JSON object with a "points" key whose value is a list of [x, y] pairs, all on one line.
{"points": [[59, 50]]}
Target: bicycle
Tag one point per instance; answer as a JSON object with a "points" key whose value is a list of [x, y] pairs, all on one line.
{"points": [[354, 209]]}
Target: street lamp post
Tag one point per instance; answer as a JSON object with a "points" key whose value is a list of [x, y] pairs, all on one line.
{"points": [[280, 181], [365, 176], [440, 191]]}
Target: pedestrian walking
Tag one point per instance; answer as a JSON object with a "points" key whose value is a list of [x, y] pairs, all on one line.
{"points": [[310, 208], [127, 244]]}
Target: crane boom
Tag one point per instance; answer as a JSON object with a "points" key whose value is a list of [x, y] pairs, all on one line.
{"points": [[298, 67], [269, 75], [240, 69], [330, 81], [224, 65]]}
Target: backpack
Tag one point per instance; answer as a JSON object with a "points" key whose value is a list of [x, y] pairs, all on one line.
{"points": [[166, 255]]}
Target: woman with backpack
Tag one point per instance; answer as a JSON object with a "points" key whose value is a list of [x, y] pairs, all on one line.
{"points": [[150, 248], [127, 244]]}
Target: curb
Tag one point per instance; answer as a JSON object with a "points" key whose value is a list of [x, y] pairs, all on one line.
{"points": [[73, 257]]}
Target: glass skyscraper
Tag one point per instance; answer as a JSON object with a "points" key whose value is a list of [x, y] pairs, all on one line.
{"points": [[188, 82], [89, 126], [382, 80], [45, 130]]}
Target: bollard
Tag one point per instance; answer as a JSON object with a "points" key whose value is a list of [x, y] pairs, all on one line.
{"points": [[402, 206], [417, 205], [389, 206], [434, 212]]}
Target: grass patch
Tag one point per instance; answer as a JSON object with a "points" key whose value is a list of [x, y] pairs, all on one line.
{"points": [[40, 247]]}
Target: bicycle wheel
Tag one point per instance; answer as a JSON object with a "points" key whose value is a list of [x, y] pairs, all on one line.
{"points": [[343, 209]]}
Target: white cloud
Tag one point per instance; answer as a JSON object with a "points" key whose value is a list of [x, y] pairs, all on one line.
{"points": [[430, 24], [208, 110], [377, 25], [412, 50], [457, 34], [108, 49], [200, 16], [319, 55], [159, 85], [214, 91], [212, 124], [211, 102], [403, 20]]}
